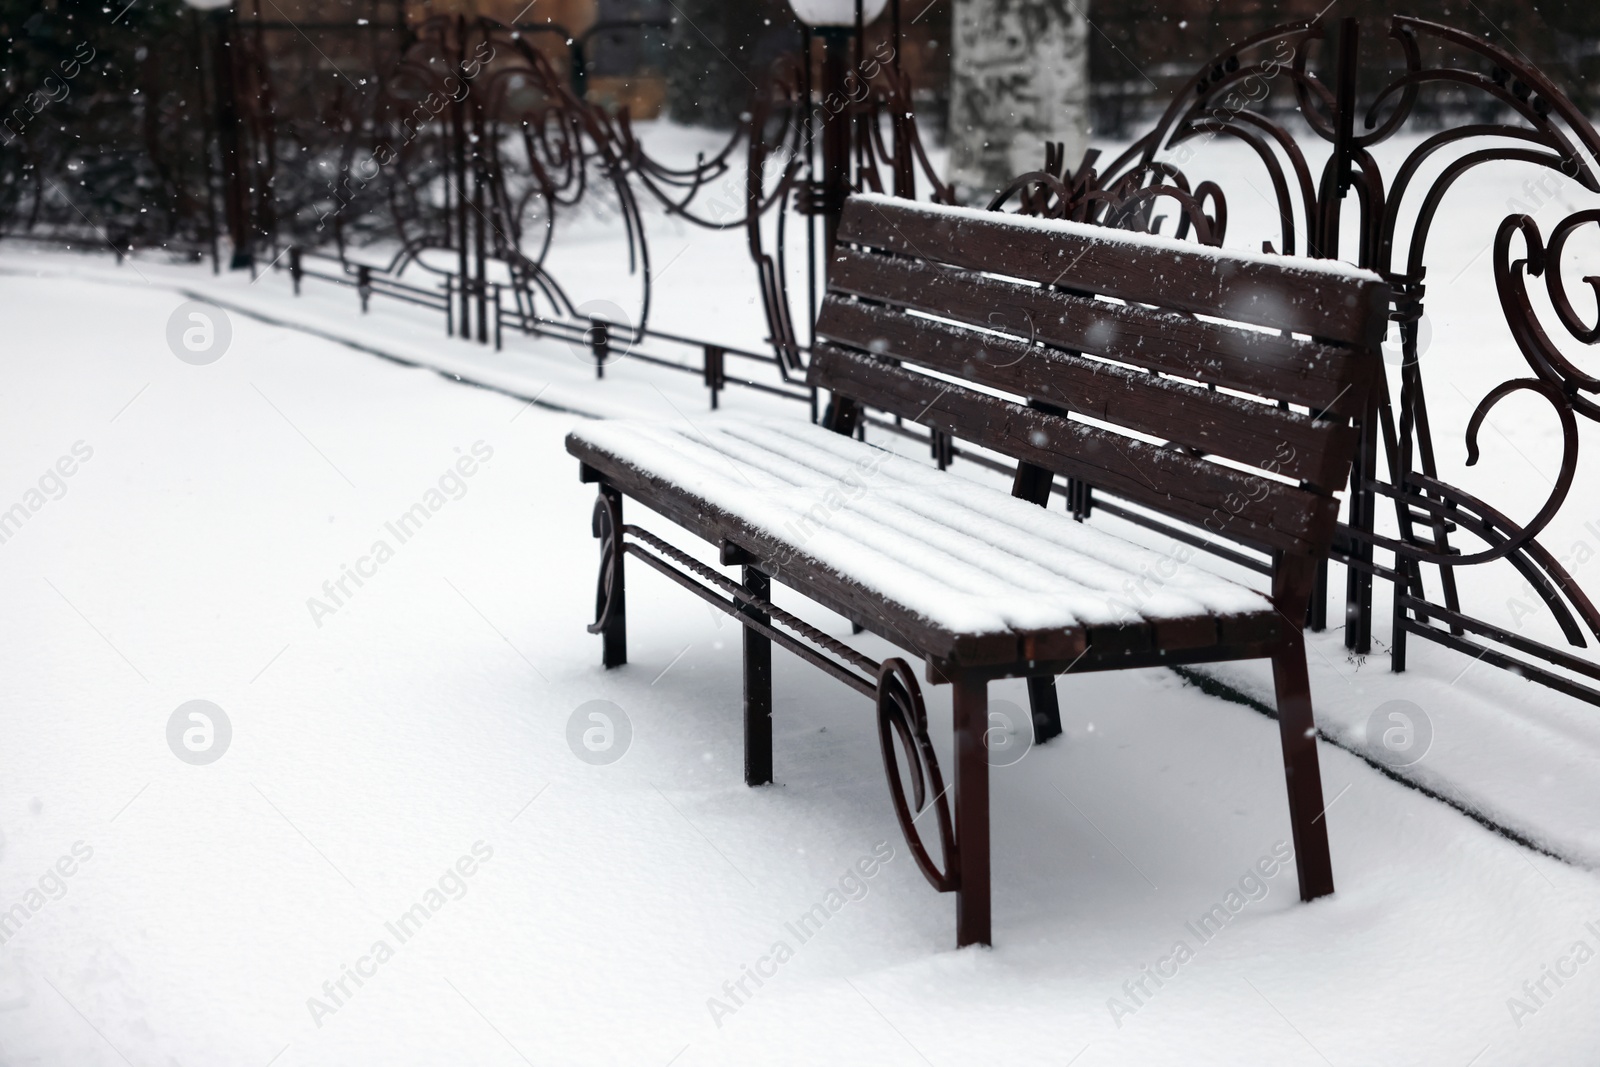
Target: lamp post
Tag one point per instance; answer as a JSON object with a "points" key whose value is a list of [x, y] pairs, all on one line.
{"points": [[224, 91], [839, 24]]}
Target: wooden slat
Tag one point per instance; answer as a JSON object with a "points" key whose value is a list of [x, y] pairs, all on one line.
{"points": [[1325, 305], [1221, 499], [1259, 434], [1321, 376]]}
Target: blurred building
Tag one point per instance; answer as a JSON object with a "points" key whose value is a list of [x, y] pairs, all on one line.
{"points": [[613, 50], [1143, 51], [619, 53]]}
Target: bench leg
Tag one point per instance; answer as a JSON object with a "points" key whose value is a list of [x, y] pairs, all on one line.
{"points": [[971, 698], [614, 642], [757, 688], [1033, 484], [1045, 707], [1297, 730], [611, 606]]}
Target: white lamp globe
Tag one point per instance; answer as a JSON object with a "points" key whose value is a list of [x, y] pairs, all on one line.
{"points": [[832, 12], [209, 5]]}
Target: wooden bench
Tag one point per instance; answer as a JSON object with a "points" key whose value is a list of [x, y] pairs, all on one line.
{"points": [[1124, 362]]}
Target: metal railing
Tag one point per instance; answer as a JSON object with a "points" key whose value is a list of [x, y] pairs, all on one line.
{"points": [[605, 342]]}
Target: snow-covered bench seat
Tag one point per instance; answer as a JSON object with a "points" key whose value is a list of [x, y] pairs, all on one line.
{"points": [[964, 570], [1133, 364]]}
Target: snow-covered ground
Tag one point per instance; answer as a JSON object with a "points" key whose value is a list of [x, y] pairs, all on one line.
{"points": [[400, 746]]}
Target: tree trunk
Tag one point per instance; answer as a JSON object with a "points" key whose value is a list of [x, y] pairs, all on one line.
{"points": [[1019, 77]]}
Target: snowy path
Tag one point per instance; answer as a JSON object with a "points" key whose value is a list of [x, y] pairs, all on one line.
{"points": [[424, 723], [1521, 756]]}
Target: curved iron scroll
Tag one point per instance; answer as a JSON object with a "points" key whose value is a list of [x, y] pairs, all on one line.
{"points": [[1558, 382], [1118, 201], [900, 708], [1568, 382], [479, 141], [608, 528]]}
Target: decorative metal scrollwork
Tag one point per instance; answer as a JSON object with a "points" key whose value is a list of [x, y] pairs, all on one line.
{"points": [[1126, 203], [1542, 355], [901, 710], [608, 528], [516, 145], [1522, 118], [1559, 383]]}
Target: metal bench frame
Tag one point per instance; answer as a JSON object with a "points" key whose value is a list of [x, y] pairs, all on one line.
{"points": [[896, 258]]}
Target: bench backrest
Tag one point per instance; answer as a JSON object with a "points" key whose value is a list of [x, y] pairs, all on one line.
{"points": [[992, 327]]}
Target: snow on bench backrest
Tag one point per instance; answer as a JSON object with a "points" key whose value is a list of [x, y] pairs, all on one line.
{"points": [[1119, 359]]}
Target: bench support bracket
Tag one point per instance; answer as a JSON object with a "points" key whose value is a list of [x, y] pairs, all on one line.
{"points": [[903, 724], [962, 826]]}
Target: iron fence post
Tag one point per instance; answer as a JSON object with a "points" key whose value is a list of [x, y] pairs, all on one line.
{"points": [[599, 344], [714, 374]]}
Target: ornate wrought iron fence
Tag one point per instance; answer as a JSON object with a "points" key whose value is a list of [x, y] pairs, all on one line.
{"points": [[514, 147], [474, 143], [1443, 530]]}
